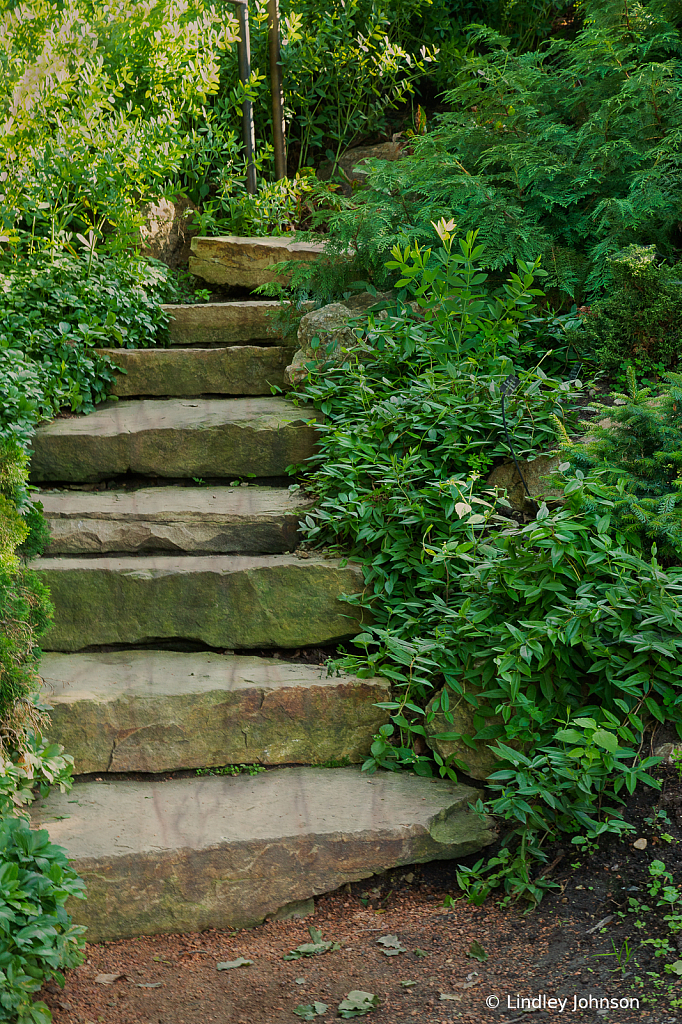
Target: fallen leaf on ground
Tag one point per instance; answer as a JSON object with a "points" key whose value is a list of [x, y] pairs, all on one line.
{"points": [[357, 1004], [311, 949], [472, 979], [420, 952], [311, 1011], [314, 948], [228, 965], [393, 945], [300, 981], [477, 952], [108, 979], [446, 995], [408, 984], [149, 984]]}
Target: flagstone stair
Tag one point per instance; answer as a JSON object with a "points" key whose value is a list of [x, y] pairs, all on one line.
{"points": [[195, 520], [187, 854], [156, 711], [173, 559]]}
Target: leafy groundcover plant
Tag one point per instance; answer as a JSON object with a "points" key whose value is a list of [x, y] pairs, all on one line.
{"points": [[555, 626], [37, 939], [56, 310]]}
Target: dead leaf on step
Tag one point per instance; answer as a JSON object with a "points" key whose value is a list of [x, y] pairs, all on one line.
{"points": [[108, 979]]}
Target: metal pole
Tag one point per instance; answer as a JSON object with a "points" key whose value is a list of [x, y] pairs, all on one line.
{"points": [[278, 140], [244, 58]]}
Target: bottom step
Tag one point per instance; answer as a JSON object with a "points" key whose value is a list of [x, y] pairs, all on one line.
{"points": [[190, 854]]}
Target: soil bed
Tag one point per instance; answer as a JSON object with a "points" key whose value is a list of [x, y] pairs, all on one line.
{"points": [[562, 951]]}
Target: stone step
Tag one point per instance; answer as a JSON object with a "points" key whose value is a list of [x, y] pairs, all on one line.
{"points": [[224, 601], [188, 854], [156, 711], [179, 438], [224, 323], [240, 370], [246, 262], [224, 520]]}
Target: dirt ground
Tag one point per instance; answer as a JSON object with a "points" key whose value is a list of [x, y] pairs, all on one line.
{"points": [[563, 951]]}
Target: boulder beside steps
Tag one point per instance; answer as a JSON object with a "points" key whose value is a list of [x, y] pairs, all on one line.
{"points": [[212, 566]]}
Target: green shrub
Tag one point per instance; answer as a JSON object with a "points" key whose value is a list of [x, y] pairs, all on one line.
{"points": [[634, 457], [568, 152], [37, 939], [55, 311], [639, 319]]}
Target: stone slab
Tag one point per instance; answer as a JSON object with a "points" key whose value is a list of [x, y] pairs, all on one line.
{"points": [[224, 520], [223, 323], [244, 261], [179, 438], [189, 854], [155, 711], [224, 601], [178, 372]]}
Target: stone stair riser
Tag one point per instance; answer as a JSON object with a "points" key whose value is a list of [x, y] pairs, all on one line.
{"points": [[221, 520], [102, 537], [222, 601], [187, 855], [162, 711], [242, 370], [178, 439], [224, 323]]}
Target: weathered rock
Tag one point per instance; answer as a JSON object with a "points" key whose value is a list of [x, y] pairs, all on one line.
{"points": [[224, 520], [223, 323], [480, 762], [325, 335], [175, 438], [350, 166], [166, 234], [244, 261], [327, 330], [239, 370], [228, 601], [189, 854], [155, 711], [534, 473]]}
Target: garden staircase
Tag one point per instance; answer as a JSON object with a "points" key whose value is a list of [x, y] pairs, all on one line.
{"points": [[179, 597]]}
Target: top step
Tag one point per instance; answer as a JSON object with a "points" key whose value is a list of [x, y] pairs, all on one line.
{"points": [[223, 323], [246, 262]]}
